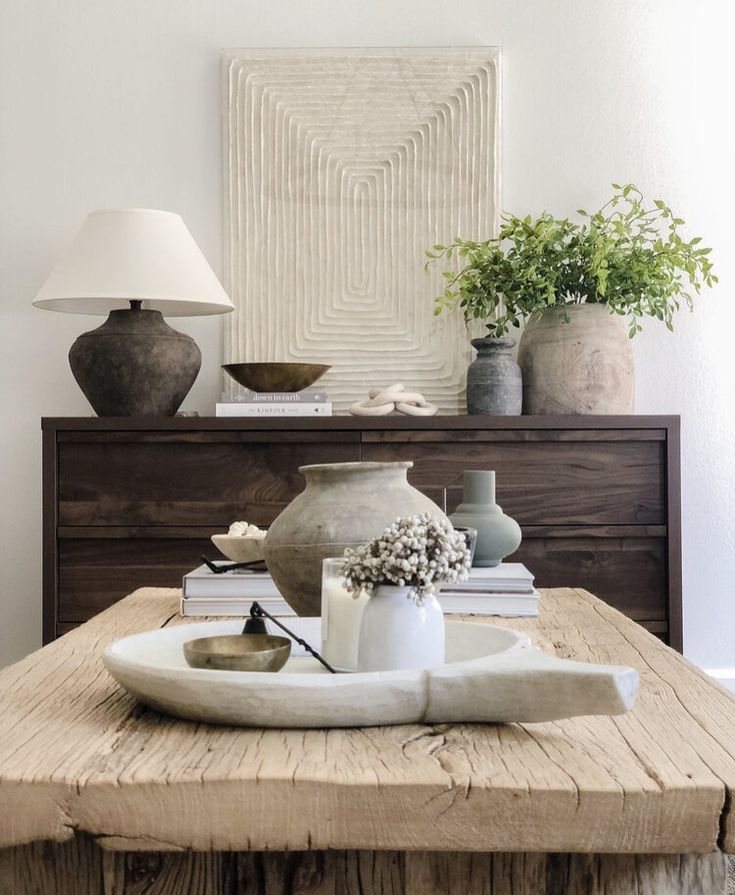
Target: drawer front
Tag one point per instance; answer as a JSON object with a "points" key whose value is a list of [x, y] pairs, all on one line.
{"points": [[539, 482], [190, 482], [629, 573], [96, 572]]}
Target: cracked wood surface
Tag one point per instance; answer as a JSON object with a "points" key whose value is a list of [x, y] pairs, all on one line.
{"points": [[78, 755]]}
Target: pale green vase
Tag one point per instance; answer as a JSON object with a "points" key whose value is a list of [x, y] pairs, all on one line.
{"points": [[497, 534]]}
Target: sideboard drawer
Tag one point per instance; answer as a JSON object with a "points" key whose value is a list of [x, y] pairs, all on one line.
{"points": [[189, 481], [627, 571], [96, 572], [540, 482]]}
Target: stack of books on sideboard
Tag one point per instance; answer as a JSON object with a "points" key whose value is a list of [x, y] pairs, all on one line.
{"points": [[506, 590], [308, 402], [230, 593]]}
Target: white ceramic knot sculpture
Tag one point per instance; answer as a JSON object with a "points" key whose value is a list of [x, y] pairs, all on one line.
{"points": [[382, 401]]}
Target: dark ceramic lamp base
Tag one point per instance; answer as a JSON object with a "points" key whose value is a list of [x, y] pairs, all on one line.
{"points": [[135, 364]]}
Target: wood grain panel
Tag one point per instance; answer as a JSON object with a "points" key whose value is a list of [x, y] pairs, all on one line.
{"points": [[247, 433], [673, 521], [628, 573], [50, 562], [80, 867], [178, 532], [95, 573], [187, 483], [78, 755], [635, 425], [612, 483], [436, 434]]}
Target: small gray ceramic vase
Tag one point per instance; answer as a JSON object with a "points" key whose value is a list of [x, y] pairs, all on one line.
{"points": [[494, 381], [497, 534]]}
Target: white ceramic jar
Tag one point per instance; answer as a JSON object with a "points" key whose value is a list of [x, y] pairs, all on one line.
{"points": [[397, 632]]}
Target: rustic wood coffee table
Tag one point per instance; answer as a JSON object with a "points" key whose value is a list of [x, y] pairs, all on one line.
{"points": [[100, 795]]}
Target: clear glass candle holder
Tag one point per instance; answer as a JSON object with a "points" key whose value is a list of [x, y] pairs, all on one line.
{"points": [[341, 617]]}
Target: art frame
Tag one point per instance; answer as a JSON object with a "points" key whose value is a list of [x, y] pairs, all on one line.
{"points": [[341, 167]]}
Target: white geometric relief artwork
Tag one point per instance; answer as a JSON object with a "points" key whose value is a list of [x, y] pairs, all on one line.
{"points": [[341, 169]]}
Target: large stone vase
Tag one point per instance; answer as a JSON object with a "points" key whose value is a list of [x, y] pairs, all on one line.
{"points": [[584, 366], [343, 505]]}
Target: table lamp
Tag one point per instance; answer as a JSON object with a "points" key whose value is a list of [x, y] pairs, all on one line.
{"points": [[135, 264]]}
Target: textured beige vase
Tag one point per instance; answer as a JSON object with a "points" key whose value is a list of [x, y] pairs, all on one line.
{"points": [[343, 505], [583, 366]]}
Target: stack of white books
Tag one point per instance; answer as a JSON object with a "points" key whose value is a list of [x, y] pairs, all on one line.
{"points": [[205, 592], [308, 402], [506, 589]]}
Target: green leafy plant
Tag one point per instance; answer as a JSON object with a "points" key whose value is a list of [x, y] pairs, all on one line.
{"points": [[629, 255]]}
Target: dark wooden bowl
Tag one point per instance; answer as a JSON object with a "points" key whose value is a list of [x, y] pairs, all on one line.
{"points": [[276, 377]]}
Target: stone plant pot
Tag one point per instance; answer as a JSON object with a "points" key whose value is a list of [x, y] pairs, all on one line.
{"points": [[584, 366], [343, 505], [494, 382]]}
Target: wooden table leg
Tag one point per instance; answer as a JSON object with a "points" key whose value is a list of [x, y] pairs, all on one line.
{"points": [[563, 874], [80, 867]]}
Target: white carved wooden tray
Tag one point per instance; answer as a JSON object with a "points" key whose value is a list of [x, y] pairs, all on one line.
{"points": [[491, 674]]}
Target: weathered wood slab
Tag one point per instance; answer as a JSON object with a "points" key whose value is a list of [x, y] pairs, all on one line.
{"points": [[82, 868], [77, 755]]}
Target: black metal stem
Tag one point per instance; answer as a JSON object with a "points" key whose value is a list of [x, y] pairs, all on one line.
{"points": [[136, 304], [225, 567], [257, 611]]}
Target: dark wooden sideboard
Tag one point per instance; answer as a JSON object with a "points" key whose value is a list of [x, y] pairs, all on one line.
{"points": [[132, 502]]}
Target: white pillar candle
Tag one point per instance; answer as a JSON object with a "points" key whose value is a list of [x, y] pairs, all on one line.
{"points": [[341, 617]]}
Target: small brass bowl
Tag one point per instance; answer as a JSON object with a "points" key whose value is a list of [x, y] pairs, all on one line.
{"points": [[238, 652], [272, 377]]}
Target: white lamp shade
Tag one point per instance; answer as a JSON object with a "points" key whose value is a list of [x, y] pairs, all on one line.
{"points": [[128, 254]]}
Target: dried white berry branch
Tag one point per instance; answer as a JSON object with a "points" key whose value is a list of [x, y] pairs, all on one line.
{"points": [[415, 551]]}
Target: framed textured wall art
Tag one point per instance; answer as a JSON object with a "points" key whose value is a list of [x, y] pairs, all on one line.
{"points": [[341, 168]]}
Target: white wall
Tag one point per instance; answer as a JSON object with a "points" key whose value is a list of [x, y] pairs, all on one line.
{"points": [[108, 103]]}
